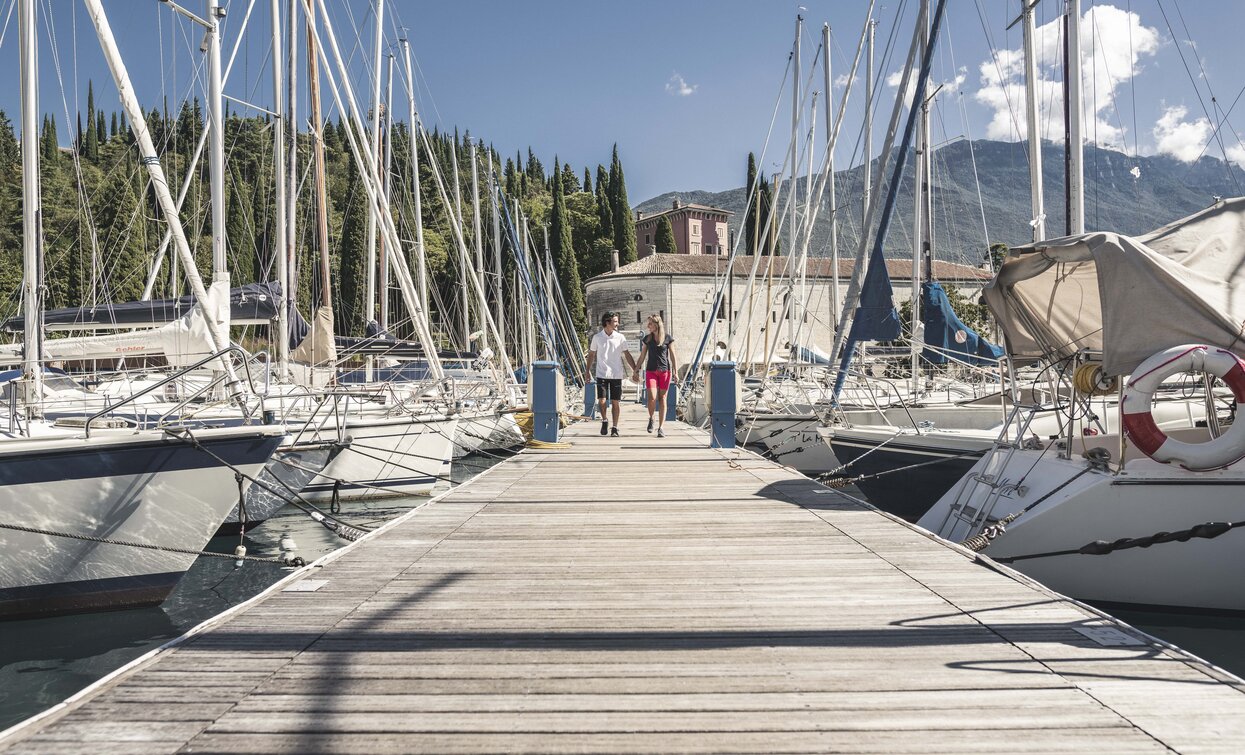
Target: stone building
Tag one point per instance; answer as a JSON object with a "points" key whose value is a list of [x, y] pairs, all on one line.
{"points": [[681, 288], [698, 229]]}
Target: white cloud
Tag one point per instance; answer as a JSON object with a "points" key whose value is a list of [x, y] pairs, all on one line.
{"points": [[840, 81], [678, 86], [1182, 139], [1113, 44], [954, 85]]}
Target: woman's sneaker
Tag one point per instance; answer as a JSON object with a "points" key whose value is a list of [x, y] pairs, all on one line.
{"points": [[613, 432], [605, 427], [650, 424], [661, 433]]}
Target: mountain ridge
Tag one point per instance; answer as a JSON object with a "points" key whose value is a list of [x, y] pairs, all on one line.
{"points": [[1163, 189]]}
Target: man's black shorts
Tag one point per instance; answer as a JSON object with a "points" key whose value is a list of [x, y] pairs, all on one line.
{"points": [[609, 389]]}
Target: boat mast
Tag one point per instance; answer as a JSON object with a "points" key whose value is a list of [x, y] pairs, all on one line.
{"points": [[317, 155], [499, 295], [867, 175], [421, 268], [482, 304], [369, 300], [795, 171], [464, 295], [386, 165], [1074, 161], [32, 225], [920, 221], [278, 153], [216, 142], [147, 152], [1031, 112], [834, 226]]}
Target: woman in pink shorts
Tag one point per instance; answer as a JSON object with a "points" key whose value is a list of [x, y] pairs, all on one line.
{"points": [[657, 356]]}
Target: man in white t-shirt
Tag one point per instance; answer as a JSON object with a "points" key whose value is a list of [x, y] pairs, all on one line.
{"points": [[608, 348]]}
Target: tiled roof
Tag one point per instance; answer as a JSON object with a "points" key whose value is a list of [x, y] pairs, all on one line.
{"points": [[699, 207], [818, 267]]}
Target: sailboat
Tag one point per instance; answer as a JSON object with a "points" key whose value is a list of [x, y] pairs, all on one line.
{"points": [[1143, 517], [108, 517]]}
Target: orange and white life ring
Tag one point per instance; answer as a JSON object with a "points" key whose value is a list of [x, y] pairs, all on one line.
{"points": [[1139, 394]]}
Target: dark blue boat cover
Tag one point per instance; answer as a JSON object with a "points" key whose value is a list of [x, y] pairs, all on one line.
{"points": [[945, 331]]}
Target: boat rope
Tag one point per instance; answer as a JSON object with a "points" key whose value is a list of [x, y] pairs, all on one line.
{"points": [[544, 445], [843, 467], [1205, 531], [842, 482], [979, 542], [295, 561], [337, 527]]}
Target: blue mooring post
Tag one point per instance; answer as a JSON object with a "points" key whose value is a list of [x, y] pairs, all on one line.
{"points": [[672, 400], [545, 379], [722, 388], [590, 399]]}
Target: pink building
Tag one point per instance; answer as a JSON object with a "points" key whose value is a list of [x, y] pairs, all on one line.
{"points": [[698, 229]]}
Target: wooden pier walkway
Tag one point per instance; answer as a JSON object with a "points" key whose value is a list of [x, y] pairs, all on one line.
{"points": [[636, 594]]}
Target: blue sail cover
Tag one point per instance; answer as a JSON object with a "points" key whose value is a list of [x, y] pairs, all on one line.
{"points": [[876, 318], [944, 331]]}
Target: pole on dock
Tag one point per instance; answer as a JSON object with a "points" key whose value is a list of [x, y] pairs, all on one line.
{"points": [[672, 400], [546, 385], [723, 400], [590, 399]]}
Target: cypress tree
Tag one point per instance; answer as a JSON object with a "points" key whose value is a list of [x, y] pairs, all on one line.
{"points": [[587, 179], [101, 132], [91, 139], [49, 145], [750, 216], [570, 181], [605, 213], [564, 255], [113, 132], [78, 145], [8, 146], [238, 233], [665, 237], [624, 222]]}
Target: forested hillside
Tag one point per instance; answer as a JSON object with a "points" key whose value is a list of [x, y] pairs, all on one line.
{"points": [[102, 228]]}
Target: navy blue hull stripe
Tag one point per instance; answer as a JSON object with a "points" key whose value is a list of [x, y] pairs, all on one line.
{"points": [[90, 595], [327, 487], [137, 458]]}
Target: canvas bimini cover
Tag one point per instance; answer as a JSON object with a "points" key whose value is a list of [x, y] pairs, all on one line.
{"points": [[1127, 296], [946, 334]]}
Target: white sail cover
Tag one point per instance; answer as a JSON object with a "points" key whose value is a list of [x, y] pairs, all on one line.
{"points": [[182, 342], [1127, 296]]}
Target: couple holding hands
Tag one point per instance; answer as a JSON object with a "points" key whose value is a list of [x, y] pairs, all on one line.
{"points": [[606, 353]]}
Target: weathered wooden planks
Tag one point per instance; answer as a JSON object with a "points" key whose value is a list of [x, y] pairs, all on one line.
{"points": [[631, 594]]}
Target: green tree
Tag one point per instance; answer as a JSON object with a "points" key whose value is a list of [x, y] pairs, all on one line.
{"points": [[101, 132], [624, 221], [605, 212], [352, 270], [995, 256], [8, 146], [587, 184], [49, 145], [570, 181], [563, 252], [665, 237], [750, 216], [90, 140]]}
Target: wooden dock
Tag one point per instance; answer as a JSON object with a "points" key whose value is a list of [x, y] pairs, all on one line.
{"points": [[636, 594]]}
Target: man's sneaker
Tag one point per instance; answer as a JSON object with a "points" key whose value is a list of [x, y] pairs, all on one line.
{"points": [[614, 432], [650, 424], [605, 427], [661, 433]]}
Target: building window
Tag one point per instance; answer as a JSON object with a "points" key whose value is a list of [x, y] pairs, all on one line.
{"points": [[648, 238], [722, 310], [702, 315], [637, 317], [773, 316]]}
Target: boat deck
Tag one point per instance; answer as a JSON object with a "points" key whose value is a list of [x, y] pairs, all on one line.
{"points": [[636, 594]]}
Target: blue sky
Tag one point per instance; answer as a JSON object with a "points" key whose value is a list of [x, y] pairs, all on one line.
{"points": [[687, 88]]}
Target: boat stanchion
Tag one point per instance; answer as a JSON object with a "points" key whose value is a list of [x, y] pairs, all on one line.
{"points": [[546, 387], [724, 399]]}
